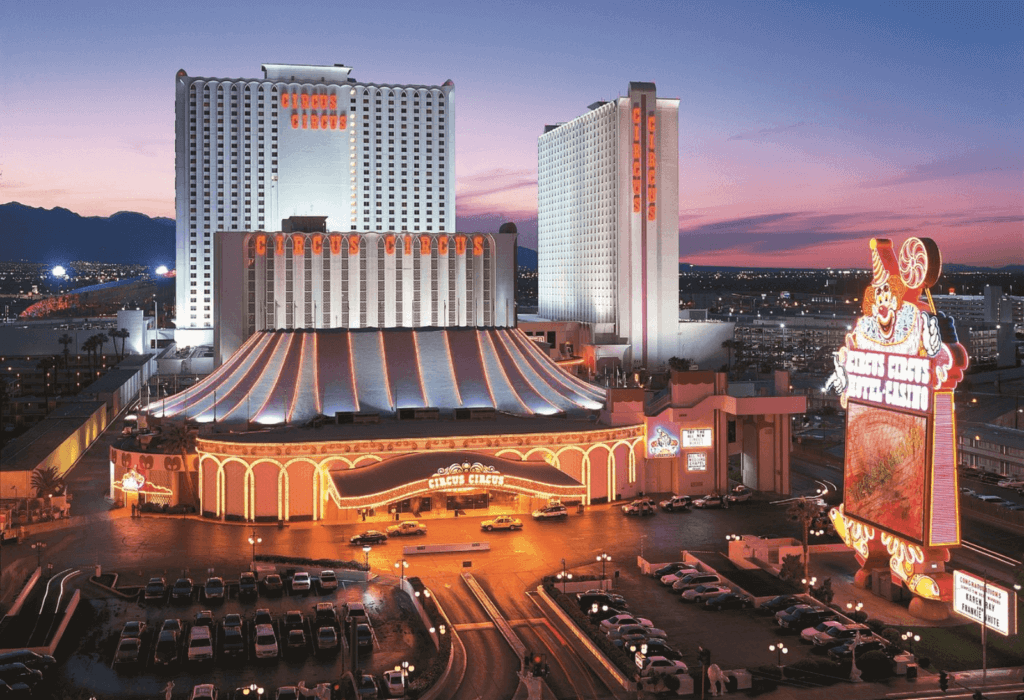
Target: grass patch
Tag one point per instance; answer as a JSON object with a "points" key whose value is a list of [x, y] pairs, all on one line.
{"points": [[959, 648]]}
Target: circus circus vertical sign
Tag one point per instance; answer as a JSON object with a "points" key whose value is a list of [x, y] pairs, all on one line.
{"points": [[895, 375]]}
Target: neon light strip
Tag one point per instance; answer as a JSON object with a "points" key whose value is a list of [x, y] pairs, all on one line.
{"points": [[384, 362], [544, 365], [297, 387], [483, 367], [482, 336], [352, 372], [276, 374], [522, 372], [318, 394], [419, 368], [243, 375], [451, 366], [175, 405]]}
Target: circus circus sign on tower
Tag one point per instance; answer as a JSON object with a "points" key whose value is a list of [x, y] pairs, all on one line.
{"points": [[895, 376]]}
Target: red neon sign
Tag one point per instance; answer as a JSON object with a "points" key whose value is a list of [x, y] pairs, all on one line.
{"points": [[314, 111]]}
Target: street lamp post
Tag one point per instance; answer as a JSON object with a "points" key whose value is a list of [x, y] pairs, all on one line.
{"points": [[366, 555], [603, 557], [779, 648], [253, 689], [254, 540], [402, 565], [854, 608], [563, 576], [405, 669], [909, 637], [39, 547]]}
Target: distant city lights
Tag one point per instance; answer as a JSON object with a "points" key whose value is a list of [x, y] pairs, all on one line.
{"points": [[161, 270], [59, 271]]}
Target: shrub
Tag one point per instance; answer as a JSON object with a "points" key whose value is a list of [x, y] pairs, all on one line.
{"points": [[600, 640], [325, 563], [433, 672], [892, 635], [875, 665], [876, 625]]}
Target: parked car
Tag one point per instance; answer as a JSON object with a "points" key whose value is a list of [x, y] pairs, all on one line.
{"points": [[588, 598], [792, 609], [369, 537], [843, 652], [624, 619], [129, 651], [779, 602], [326, 640], [156, 589], [204, 691], [173, 625], [263, 617], [293, 620], [266, 642], [200, 644], [739, 494], [273, 584], [182, 590], [694, 580], [295, 642], [660, 666], [550, 512], [367, 688], [654, 646], [132, 628], [678, 575], [676, 503], [355, 613], [408, 527], [248, 589], [669, 569], [808, 634], [502, 522], [711, 500], [287, 692], [964, 491], [325, 614], [328, 580], [204, 618], [165, 651], [1010, 483], [839, 634], [641, 506], [12, 674], [213, 591], [705, 591], [232, 620], [28, 657], [598, 613], [364, 637], [301, 581], [232, 643], [640, 630], [802, 618], [728, 601]]}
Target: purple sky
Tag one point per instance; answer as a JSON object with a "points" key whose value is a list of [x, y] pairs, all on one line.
{"points": [[805, 128]]}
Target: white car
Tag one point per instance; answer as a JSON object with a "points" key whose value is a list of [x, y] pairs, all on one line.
{"points": [[617, 621], [206, 691], [677, 576], [661, 666], [629, 630], [394, 684], [1010, 483], [502, 522], [200, 644], [408, 527], [328, 580], [808, 634], [266, 642], [551, 511], [301, 581], [694, 580], [705, 592]]}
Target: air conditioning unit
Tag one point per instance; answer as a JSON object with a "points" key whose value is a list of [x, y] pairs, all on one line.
{"points": [[428, 413], [349, 417], [475, 413]]}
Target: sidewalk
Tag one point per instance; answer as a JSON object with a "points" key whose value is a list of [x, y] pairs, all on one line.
{"points": [[1008, 679]]}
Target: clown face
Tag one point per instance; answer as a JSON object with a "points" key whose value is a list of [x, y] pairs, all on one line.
{"points": [[884, 308]]}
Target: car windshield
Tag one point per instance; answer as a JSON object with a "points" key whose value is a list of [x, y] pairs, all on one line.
{"points": [[265, 639], [129, 643], [199, 643]]}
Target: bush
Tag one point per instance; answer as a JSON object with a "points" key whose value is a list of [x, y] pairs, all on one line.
{"points": [[582, 577], [324, 563], [893, 636], [876, 625], [600, 640], [433, 672], [765, 678], [875, 665], [815, 670]]}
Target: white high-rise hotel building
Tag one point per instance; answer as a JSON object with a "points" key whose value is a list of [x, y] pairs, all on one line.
{"points": [[302, 141], [608, 225]]}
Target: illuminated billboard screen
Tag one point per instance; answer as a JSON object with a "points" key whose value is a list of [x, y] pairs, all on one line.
{"points": [[660, 442], [698, 437], [886, 460]]}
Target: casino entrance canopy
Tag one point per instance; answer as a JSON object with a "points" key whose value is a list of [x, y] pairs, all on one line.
{"points": [[431, 472]]}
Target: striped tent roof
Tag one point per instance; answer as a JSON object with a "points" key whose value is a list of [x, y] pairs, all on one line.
{"points": [[292, 376]]}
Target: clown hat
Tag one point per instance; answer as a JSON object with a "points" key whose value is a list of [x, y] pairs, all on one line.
{"points": [[883, 261]]}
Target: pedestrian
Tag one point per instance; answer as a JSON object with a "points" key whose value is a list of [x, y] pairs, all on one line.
{"points": [[362, 512], [397, 517]]}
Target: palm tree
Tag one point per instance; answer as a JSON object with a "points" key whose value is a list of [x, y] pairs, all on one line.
{"points": [[123, 334], [45, 365], [805, 511], [181, 438], [89, 346], [101, 340], [729, 344], [47, 482], [67, 340]]}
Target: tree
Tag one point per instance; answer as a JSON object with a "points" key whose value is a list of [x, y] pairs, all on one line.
{"points": [[180, 438], [804, 511], [89, 346], [123, 334], [680, 364], [67, 340], [47, 482], [791, 568], [729, 344], [45, 365], [101, 340]]}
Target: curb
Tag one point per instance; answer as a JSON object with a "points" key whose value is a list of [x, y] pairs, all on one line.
{"points": [[457, 649]]}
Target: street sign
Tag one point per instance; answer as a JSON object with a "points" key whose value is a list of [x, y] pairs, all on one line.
{"points": [[998, 612]]}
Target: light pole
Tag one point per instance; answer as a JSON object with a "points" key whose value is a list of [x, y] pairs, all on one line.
{"points": [[909, 637], [405, 669], [402, 565], [603, 557], [779, 648], [809, 583], [563, 576], [366, 555], [39, 547], [253, 689], [254, 540], [854, 609]]}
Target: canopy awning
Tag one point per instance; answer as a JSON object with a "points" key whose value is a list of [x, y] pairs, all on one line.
{"points": [[430, 472]]}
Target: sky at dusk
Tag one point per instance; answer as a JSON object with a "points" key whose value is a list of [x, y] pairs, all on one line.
{"points": [[804, 128]]}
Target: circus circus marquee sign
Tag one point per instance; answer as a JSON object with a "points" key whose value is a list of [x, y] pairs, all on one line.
{"points": [[895, 375], [465, 475]]}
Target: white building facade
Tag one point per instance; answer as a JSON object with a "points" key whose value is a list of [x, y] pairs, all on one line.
{"points": [[608, 225], [318, 279], [301, 141]]}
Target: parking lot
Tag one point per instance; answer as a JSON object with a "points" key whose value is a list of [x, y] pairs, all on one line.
{"points": [[397, 636]]}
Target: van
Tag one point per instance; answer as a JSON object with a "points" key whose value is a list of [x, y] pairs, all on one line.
{"points": [[200, 644]]}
